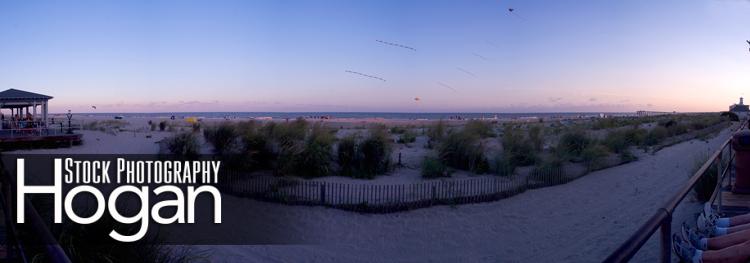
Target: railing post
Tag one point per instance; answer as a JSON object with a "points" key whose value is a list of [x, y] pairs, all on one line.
{"points": [[666, 238], [719, 178]]}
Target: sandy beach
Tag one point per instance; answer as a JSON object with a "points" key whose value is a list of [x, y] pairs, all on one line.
{"points": [[581, 221]]}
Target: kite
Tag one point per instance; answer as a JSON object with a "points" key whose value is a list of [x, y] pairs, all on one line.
{"points": [[446, 85], [748, 42], [510, 10], [467, 72], [481, 57], [396, 45], [93, 107], [417, 99], [364, 75]]}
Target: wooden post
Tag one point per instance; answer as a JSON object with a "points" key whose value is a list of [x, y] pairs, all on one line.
{"points": [[322, 193], [434, 195]]}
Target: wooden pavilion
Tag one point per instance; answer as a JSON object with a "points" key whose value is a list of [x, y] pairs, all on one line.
{"points": [[23, 116]]}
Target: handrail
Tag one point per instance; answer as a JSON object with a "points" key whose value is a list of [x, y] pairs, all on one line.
{"points": [[52, 248], [663, 216]]}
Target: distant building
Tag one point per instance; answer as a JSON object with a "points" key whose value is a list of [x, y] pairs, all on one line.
{"points": [[741, 107]]}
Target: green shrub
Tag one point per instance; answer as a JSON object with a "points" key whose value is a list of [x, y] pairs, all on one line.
{"points": [[536, 137], [593, 156], [706, 185], [573, 143], [463, 150], [483, 129], [366, 158], [626, 156], [518, 150], [223, 137], [550, 172], [286, 134], [398, 130], [503, 166], [407, 136], [349, 156], [434, 168], [317, 155], [619, 140], [655, 136], [376, 152], [437, 131], [183, 144]]}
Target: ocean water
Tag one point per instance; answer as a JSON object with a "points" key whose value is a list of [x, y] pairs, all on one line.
{"points": [[361, 115]]}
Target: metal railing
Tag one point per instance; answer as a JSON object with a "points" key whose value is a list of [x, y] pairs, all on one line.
{"points": [[662, 219]]}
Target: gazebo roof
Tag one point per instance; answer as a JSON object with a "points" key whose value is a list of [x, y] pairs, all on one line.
{"points": [[14, 95]]}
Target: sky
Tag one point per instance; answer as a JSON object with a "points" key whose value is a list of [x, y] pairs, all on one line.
{"points": [[469, 55]]}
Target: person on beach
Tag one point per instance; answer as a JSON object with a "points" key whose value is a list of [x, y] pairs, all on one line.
{"points": [[716, 239]]}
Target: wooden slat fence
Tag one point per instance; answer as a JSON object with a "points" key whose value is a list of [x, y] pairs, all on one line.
{"points": [[386, 198]]}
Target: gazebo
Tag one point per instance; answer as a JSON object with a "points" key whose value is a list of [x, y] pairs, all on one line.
{"points": [[23, 107], [23, 116]]}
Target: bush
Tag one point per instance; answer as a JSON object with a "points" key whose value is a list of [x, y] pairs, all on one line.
{"points": [[572, 144], [536, 137], [286, 134], [349, 156], [315, 157], [706, 185], [183, 144], [223, 137], [398, 130], [482, 129], [655, 136], [162, 125], [517, 149], [153, 126], [407, 136], [619, 140], [593, 156], [437, 131], [366, 158], [376, 152], [433, 168], [196, 127], [549, 173], [503, 166], [463, 150]]}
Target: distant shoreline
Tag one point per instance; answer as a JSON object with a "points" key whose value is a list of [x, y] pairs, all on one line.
{"points": [[359, 115]]}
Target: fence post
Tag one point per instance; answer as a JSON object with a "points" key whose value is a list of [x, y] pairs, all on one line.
{"points": [[434, 195], [666, 238], [322, 193]]}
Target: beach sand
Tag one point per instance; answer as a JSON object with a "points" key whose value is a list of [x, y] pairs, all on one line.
{"points": [[581, 221]]}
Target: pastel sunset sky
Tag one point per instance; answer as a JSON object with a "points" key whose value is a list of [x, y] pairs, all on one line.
{"points": [[470, 55]]}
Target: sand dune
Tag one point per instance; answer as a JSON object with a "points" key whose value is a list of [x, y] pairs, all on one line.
{"points": [[582, 221]]}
